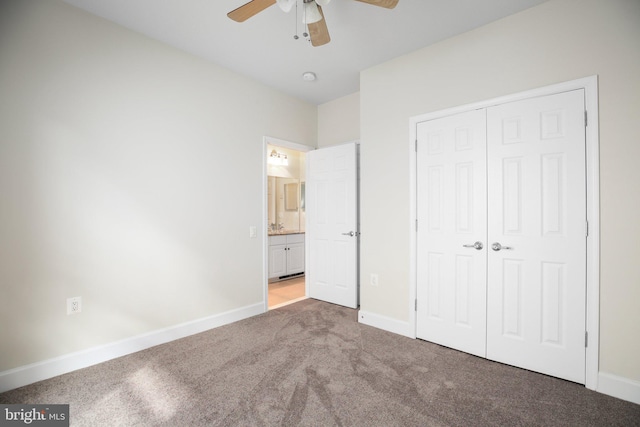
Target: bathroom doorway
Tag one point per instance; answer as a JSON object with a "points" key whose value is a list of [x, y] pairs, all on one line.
{"points": [[285, 246]]}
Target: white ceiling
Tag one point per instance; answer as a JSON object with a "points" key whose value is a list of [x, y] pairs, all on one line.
{"points": [[263, 47]]}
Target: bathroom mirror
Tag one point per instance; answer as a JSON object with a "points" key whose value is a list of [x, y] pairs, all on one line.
{"points": [[285, 205], [291, 197]]}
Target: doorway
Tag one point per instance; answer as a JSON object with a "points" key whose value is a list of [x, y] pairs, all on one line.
{"points": [[324, 198], [284, 216]]}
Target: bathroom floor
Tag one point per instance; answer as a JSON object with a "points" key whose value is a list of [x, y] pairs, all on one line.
{"points": [[286, 292]]}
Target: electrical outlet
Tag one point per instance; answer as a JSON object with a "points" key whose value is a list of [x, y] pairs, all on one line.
{"points": [[374, 279], [74, 305]]}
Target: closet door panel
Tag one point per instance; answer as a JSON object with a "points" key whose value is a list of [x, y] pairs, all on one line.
{"points": [[451, 214], [536, 209]]}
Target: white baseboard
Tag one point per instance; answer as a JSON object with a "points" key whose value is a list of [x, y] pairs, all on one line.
{"points": [[620, 387], [386, 323], [39, 371]]}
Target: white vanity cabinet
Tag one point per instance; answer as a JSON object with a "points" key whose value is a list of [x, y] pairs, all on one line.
{"points": [[286, 255], [295, 254]]}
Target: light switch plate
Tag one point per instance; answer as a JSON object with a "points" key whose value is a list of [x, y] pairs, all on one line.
{"points": [[374, 279], [252, 232]]}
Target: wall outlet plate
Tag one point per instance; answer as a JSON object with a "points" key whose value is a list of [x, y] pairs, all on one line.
{"points": [[74, 305]]}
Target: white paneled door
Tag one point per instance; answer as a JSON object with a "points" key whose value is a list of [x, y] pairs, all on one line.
{"points": [[332, 224], [453, 226], [502, 250], [537, 234]]}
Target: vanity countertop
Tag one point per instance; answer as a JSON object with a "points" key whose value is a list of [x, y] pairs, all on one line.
{"points": [[284, 232]]}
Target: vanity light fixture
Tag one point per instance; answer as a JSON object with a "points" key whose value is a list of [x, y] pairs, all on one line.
{"points": [[278, 159]]}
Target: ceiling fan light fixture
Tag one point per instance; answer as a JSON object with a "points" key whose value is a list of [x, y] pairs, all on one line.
{"points": [[286, 5], [311, 13]]}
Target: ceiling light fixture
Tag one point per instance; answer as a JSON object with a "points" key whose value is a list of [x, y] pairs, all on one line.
{"points": [[309, 76]]}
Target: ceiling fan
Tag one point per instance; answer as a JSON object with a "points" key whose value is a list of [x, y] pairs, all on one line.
{"points": [[312, 14]]}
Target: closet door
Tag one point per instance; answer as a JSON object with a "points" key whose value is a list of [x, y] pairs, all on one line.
{"points": [[537, 235], [451, 241]]}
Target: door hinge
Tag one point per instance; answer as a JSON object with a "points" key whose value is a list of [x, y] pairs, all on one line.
{"points": [[586, 121], [416, 304], [586, 339], [416, 225], [587, 229], [416, 146]]}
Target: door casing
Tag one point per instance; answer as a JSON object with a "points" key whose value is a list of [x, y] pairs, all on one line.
{"points": [[590, 86]]}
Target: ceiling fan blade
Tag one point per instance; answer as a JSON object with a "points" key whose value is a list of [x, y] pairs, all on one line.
{"points": [[318, 31], [250, 9], [389, 4]]}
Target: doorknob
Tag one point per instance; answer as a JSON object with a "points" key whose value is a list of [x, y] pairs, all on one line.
{"points": [[476, 245], [351, 233], [497, 246]]}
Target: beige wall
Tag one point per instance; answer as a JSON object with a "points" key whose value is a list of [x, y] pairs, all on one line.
{"points": [[130, 173], [557, 41], [339, 121]]}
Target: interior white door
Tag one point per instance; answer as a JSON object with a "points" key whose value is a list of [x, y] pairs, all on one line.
{"points": [[537, 213], [332, 224], [452, 229]]}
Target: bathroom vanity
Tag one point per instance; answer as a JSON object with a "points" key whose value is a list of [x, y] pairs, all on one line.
{"points": [[286, 255]]}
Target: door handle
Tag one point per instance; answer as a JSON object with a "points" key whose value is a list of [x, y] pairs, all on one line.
{"points": [[497, 247], [351, 233], [477, 245]]}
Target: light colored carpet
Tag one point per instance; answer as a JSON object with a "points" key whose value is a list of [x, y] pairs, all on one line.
{"points": [[311, 364]]}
